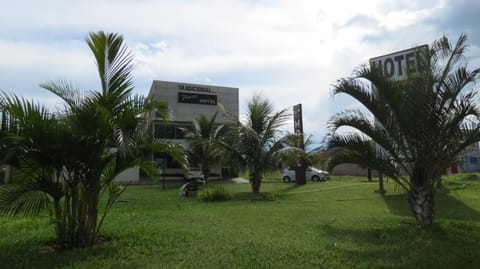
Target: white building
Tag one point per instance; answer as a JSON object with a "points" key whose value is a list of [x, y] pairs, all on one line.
{"points": [[186, 101]]}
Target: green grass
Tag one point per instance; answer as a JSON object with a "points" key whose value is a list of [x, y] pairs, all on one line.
{"points": [[340, 223]]}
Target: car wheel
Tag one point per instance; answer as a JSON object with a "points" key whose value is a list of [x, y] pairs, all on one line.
{"points": [[286, 180], [315, 179]]}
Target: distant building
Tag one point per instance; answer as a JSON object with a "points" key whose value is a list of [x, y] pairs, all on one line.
{"points": [[470, 161], [186, 101]]}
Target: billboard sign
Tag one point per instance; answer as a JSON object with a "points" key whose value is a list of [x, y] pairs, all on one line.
{"points": [[399, 65]]}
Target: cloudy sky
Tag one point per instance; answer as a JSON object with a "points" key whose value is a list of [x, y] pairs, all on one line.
{"points": [[289, 50]]}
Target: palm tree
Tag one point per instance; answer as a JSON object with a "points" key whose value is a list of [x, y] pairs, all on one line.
{"points": [[257, 139], [70, 158], [420, 125], [204, 147]]}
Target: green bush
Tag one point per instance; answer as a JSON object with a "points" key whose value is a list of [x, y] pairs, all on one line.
{"points": [[214, 194], [269, 196], [262, 196]]}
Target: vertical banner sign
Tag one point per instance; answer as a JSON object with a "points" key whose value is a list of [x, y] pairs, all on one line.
{"points": [[298, 128], [297, 119]]}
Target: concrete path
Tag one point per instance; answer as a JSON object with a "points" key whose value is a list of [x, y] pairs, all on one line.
{"points": [[240, 180]]}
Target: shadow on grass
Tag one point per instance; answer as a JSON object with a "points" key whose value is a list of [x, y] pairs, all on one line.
{"points": [[35, 254], [291, 186], [442, 245], [271, 195], [446, 207]]}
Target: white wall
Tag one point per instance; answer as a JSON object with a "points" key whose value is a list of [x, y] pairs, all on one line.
{"points": [[131, 175]]}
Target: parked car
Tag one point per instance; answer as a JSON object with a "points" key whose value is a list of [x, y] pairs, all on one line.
{"points": [[193, 174], [312, 173], [190, 189]]}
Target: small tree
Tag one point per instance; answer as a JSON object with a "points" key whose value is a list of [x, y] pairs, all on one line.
{"points": [[257, 139], [421, 124], [205, 138], [68, 159]]}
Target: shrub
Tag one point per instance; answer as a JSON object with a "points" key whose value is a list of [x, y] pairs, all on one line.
{"points": [[262, 196], [214, 194]]}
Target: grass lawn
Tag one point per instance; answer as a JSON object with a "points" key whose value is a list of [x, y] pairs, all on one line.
{"points": [[340, 223]]}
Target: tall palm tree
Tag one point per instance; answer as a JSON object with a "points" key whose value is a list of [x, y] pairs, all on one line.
{"points": [[204, 147], [70, 158], [420, 126], [257, 138]]}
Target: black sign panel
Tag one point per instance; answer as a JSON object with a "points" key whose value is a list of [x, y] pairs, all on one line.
{"points": [[197, 98], [297, 119]]}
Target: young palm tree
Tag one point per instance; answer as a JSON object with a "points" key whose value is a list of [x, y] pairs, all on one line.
{"points": [[420, 126], [257, 138], [70, 158], [204, 145]]}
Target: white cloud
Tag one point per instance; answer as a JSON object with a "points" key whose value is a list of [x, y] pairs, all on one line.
{"points": [[291, 50]]}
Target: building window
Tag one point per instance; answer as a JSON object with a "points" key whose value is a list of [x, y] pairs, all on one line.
{"points": [[158, 115], [159, 158], [473, 160], [159, 131], [170, 131], [179, 133]]}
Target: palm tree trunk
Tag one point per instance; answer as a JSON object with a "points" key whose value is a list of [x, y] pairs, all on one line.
{"points": [[73, 212], [300, 174], [91, 234], [205, 172], [256, 181], [88, 224], [59, 225], [439, 183], [256, 185], [421, 201]]}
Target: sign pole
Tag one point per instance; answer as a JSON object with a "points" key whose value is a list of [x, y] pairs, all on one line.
{"points": [[298, 129], [164, 164]]}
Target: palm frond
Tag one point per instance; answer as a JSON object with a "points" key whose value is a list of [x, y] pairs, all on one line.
{"points": [[65, 90], [443, 49], [176, 151], [113, 62], [18, 199]]}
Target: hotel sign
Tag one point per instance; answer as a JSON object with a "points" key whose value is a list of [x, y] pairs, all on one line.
{"points": [[297, 119], [197, 98], [194, 88], [399, 65]]}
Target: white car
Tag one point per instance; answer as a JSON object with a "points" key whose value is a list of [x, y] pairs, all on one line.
{"points": [[312, 173]]}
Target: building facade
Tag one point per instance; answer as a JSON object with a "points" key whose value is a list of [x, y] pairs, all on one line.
{"points": [[469, 160], [186, 101]]}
